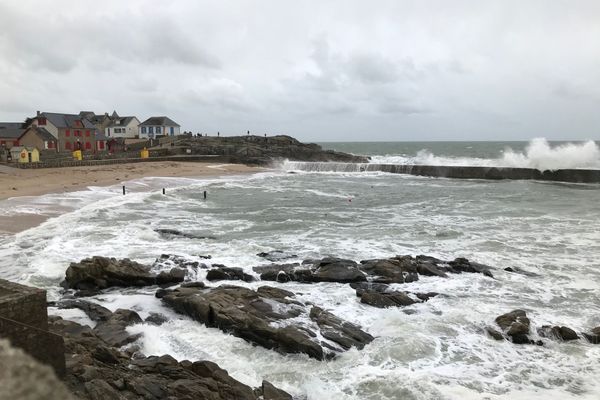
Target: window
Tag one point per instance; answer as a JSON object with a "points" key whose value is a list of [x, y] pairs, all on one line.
{"points": [[41, 121], [101, 145], [151, 130], [87, 133], [143, 129], [67, 133], [158, 130], [88, 145], [77, 133], [15, 143], [68, 146], [2, 143], [50, 144]]}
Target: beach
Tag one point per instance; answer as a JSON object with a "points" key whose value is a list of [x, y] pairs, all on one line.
{"points": [[15, 182]]}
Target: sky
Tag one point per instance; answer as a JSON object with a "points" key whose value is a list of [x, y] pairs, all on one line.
{"points": [[328, 70]]}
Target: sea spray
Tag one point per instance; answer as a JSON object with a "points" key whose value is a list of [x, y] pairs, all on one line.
{"points": [[540, 155]]}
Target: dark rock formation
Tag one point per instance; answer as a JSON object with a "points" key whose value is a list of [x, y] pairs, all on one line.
{"points": [[380, 295], [96, 273], [494, 333], [593, 336], [156, 319], [276, 255], [171, 233], [173, 260], [399, 269], [95, 370], [221, 272], [264, 317], [516, 325], [563, 333]]}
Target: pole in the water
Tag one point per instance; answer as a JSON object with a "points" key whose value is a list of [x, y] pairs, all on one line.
{"points": [[163, 190], [205, 195], [123, 190]]}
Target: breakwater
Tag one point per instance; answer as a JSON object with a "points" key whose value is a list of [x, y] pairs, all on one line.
{"points": [[456, 172]]}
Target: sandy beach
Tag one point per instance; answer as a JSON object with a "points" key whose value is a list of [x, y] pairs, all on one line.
{"points": [[16, 182]]}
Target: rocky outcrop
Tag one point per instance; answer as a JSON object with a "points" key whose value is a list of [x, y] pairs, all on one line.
{"points": [[563, 333], [516, 325], [380, 295], [593, 336], [171, 233], [97, 273], [399, 269], [261, 150], [269, 317], [220, 272], [95, 370], [276, 255]]}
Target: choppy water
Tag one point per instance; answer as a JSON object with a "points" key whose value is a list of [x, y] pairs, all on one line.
{"points": [[434, 351]]}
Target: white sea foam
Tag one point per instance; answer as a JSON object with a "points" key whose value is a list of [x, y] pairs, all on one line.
{"points": [[538, 154]]}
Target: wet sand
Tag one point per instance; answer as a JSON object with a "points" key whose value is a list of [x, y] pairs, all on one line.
{"points": [[16, 182]]}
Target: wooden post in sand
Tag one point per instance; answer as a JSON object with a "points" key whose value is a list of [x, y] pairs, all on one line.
{"points": [[163, 190]]}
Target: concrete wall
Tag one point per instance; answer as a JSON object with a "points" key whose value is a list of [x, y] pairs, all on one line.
{"points": [[23, 304]]}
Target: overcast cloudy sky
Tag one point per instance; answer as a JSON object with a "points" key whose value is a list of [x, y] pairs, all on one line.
{"points": [[317, 70]]}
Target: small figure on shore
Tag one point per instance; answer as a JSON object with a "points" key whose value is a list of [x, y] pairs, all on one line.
{"points": [[248, 133], [218, 134]]}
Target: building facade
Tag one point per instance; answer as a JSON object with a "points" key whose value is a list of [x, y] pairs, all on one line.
{"points": [[122, 127], [39, 138], [9, 134], [72, 131], [158, 126]]}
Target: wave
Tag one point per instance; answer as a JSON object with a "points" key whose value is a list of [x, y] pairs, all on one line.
{"points": [[538, 154]]}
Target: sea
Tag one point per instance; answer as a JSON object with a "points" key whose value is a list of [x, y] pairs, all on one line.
{"points": [[432, 350]]}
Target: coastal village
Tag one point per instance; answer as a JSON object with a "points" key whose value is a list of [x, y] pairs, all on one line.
{"points": [[51, 136]]}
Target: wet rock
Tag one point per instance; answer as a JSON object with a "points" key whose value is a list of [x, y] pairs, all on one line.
{"points": [[112, 331], [520, 271], [276, 255], [384, 271], [156, 319], [494, 333], [174, 276], [563, 333], [594, 336], [268, 317], [284, 273], [464, 265], [174, 260], [95, 371], [221, 273], [94, 311], [338, 270], [362, 287], [98, 273], [516, 325], [382, 297], [270, 392], [193, 284], [174, 233]]}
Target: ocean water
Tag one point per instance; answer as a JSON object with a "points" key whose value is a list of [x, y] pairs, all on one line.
{"points": [[433, 350]]}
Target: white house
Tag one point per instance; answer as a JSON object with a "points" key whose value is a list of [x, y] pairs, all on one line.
{"points": [[158, 126], [122, 127]]}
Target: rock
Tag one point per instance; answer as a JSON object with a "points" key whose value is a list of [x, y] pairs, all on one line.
{"points": [[494, 333], [362, 287], [276, 255], [177, 261], [429, 269], [98, 273], [221, 272], [270, 392], [384, 300], [269, 317], [94, 311], [284, 273], [558, 332], [95, 371], [24, 378], [171, 233], [112, 331], [338, 272], [384, 271], [193, 284], [594, 336], [156, 319], [516, 325], [174, 276], [464, 265]]}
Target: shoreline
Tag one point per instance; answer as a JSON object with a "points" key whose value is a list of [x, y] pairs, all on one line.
{"points": [[18, 183]]}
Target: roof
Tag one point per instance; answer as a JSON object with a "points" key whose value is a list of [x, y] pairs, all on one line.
{"points": [[123, 121], [21, 148], [66, 120], [42, 133], [11, 130], [159, 121]]}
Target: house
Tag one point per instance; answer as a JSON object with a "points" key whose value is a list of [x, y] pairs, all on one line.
{"points": [[9, 134], [122, 127], [158, 126], [21, 154], [37, 137], [72, 131]]}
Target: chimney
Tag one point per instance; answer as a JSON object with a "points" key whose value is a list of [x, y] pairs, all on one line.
{"points": [[38, 113]]}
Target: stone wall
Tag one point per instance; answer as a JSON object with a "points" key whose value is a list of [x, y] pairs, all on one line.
{"points": [[24, 322]]}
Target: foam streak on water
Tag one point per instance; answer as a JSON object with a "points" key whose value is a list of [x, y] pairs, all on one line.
{"points": [[434, 350]]}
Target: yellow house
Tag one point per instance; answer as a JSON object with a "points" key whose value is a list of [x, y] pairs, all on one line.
{"points": [[22, 154]]}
